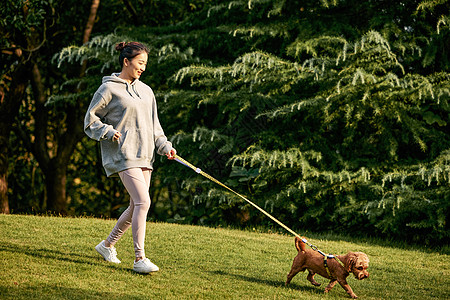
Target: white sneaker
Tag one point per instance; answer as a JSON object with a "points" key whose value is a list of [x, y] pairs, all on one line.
{"points": [[145, 266], [109, 254]]}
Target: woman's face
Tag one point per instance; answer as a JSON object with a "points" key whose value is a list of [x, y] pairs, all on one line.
{"points": [[136, 66]]}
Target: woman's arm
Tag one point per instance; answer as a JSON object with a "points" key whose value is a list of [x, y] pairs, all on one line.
{"points": [[93, 126]]}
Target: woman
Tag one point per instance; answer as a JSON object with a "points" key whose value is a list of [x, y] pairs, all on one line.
{"points": [[123, 117]]}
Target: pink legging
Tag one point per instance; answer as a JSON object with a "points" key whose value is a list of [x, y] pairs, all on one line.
{"points": [[137, 183]]}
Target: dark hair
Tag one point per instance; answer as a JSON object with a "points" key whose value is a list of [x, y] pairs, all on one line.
{"points": [[130, 50]]}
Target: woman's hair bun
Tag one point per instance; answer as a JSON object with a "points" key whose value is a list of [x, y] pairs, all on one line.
{"points": [[120, 46]]}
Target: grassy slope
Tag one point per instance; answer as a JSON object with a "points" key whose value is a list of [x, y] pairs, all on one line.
{"points": [[54, 258]]}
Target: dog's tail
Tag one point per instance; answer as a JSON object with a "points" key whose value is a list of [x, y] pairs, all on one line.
{"points": [[299, 244]]}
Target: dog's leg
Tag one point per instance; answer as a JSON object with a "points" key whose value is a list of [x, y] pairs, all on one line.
{"points": [[311, 278], [292, 273], [330, 285], [297, 266], [347, 288]]}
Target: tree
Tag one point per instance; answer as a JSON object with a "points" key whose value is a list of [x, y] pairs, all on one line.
{"points": [[369, 114], [52, 149], [21, 37]]}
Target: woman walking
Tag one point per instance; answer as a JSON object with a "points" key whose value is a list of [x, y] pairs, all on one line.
{"points": [[123, 117]]}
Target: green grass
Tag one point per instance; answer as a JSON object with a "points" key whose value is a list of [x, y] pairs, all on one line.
{"points": [[54, 258]]}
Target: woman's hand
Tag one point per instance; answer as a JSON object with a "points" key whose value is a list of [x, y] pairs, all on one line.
{"points": [[171, 154], [116, 136]]}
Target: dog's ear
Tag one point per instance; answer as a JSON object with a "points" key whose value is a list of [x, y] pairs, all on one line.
{"points": [[351, 261]]}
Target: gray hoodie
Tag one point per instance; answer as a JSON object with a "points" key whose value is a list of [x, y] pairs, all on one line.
{"points": [[131, 110]]}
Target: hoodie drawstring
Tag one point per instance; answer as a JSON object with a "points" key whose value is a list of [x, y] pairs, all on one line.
{"points": [[134, 90]]}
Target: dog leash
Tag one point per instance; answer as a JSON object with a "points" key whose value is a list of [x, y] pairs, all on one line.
{"points": [[199, 171]]}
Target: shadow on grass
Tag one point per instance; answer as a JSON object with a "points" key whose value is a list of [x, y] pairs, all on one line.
{"points": [[46, 253], [273, 283]]}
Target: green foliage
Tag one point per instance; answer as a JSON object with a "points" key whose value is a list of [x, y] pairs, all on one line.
{"points": [[21, 16], [340, 116]]}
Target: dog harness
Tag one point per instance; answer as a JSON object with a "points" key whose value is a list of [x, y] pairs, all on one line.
{"points": [[325, 257], [325, 262]]}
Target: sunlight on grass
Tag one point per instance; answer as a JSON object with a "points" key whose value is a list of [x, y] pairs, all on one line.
{"points": [[54, 258]]}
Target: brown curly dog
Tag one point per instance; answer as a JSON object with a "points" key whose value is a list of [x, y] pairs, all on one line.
{"points": [[354, 262]]}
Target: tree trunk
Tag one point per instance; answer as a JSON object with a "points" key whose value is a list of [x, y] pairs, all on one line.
{"points": [[88, 30], [55, 184], [91, 20], [4, 145], [54, 167], [9, 107]]}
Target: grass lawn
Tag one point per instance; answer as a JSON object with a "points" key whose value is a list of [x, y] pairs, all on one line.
{"points": [[54, 258]]}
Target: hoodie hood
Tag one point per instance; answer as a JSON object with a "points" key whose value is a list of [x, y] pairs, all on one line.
{"points": [[131, 88]]}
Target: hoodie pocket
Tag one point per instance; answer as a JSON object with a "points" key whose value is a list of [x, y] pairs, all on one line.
{"points": [[134, 145]]}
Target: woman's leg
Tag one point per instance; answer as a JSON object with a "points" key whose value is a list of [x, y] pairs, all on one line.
{"points": [[122, 225], [136, 181]]}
